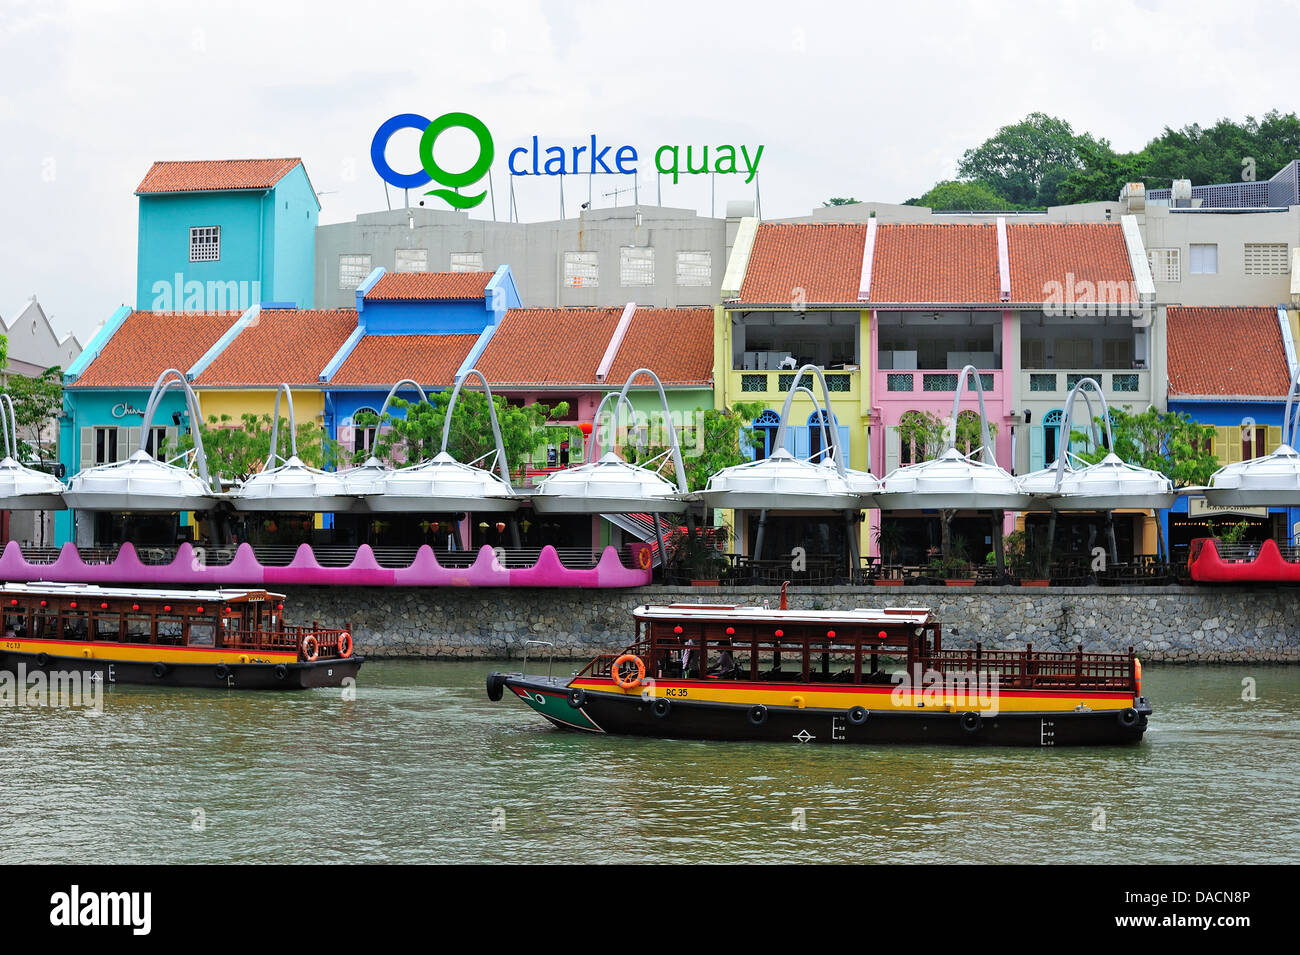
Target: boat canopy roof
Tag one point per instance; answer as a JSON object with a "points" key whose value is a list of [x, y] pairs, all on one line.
{"points": [[52, 589], [915, 616]]}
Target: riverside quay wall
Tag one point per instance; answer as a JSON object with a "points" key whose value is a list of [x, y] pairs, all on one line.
{"points": [[1183, 624]]}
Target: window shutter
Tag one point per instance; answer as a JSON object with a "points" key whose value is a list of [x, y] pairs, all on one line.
{"points": [[801, 443], [1037, 440], [128, 439], [842, 441], [891, 449], [87, 450], [1234, 444], [1274, 439], [1221, 444]]}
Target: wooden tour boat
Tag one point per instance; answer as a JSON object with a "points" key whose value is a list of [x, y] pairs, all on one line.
{"points": [[854, 676], [201, 638]]}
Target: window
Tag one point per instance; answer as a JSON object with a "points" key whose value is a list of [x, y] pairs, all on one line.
{"points": [[694, 268], [1116, 353], [764, 433], [1033, 353], [363, 436], [205, 243], [1166, 264], [353, 270], [105, 445], [581, 270], [411, 260], [1203, 258], [467, 261], [155, 441], [636, 266], [1266, 258]]}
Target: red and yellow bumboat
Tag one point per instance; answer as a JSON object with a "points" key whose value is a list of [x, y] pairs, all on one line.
{"points": [[195, 638], [857, 676]]}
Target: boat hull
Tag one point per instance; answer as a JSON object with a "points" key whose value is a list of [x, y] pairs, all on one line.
{"points": [[675, 718], [206, 674]]}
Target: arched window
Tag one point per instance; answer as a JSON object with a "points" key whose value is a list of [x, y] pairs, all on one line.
{"points": [[815, 422], [363, 436], [764, 433], [1051, 434]]}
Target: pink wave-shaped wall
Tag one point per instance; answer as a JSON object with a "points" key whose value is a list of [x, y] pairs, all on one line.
{"points": [[1269, 565], [364, 571]]}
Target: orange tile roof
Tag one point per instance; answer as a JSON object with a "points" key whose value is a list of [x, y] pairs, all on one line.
{"points": [[922, 263], [148, 343], [1226, 351], [382, 360], [1048, 259], [283, 345], [429, 286], [214, 175], [544, 347], [823, 259], [675, 343]]}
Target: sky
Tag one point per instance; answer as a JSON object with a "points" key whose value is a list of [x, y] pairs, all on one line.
{"points": [[848, 99]]}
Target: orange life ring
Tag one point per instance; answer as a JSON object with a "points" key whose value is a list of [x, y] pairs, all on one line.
{"points": [[310, 648], [1137, 677], [644, 558], [631, 682], [345, 644]]}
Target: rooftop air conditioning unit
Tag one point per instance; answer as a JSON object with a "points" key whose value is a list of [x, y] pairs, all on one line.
{"points": [[1134, 196], [1180, 196]]}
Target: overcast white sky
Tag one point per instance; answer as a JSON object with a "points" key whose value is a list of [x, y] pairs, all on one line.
{"points": [[847, 99]]}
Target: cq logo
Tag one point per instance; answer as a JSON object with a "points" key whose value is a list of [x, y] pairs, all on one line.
{"points": [[432, 172]]}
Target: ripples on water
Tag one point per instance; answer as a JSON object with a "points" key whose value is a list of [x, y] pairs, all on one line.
{"points": [[421, 766]]}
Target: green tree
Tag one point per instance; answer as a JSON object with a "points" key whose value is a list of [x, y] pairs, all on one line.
{"points": [[37, 401], [841, 201], [1228, 151], [704, 454], [1026, 161], [237, 450], [418, 435], [966, 196], [1166, 441]]}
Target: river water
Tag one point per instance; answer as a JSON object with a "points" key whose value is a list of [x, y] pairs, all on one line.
{"points": [[421, 767]]}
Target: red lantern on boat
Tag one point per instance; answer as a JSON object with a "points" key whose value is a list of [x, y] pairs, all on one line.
{"points": [[731, 631], [831, 634], [677, 629], [780, 633], [501, 527]]}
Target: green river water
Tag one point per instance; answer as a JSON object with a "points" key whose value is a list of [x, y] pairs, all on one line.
{"points": [[421, 767]]}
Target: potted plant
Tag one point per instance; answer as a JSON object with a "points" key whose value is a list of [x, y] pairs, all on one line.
{"points": [[889, 544], [1027, 564], [696, 556]]}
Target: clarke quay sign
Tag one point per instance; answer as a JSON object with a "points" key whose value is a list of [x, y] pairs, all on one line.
{"points": [[535, 159]]}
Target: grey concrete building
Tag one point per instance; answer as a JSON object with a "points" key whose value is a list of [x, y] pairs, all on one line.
{"points": [[651, 255]]}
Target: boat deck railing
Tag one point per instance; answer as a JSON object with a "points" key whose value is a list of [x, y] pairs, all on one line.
{"points": [[290, 638], [1036, 669]]}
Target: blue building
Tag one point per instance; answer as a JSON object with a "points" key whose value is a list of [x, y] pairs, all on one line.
{"points": [[1231, 367], [427, 326], [226, 235]]}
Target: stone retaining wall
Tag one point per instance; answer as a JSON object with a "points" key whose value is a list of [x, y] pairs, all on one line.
{"points": [[1190, 624]]}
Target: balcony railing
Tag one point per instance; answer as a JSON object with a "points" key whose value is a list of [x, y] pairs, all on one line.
{"points": [[1046, 383], [780, 382], [921, 382]]}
